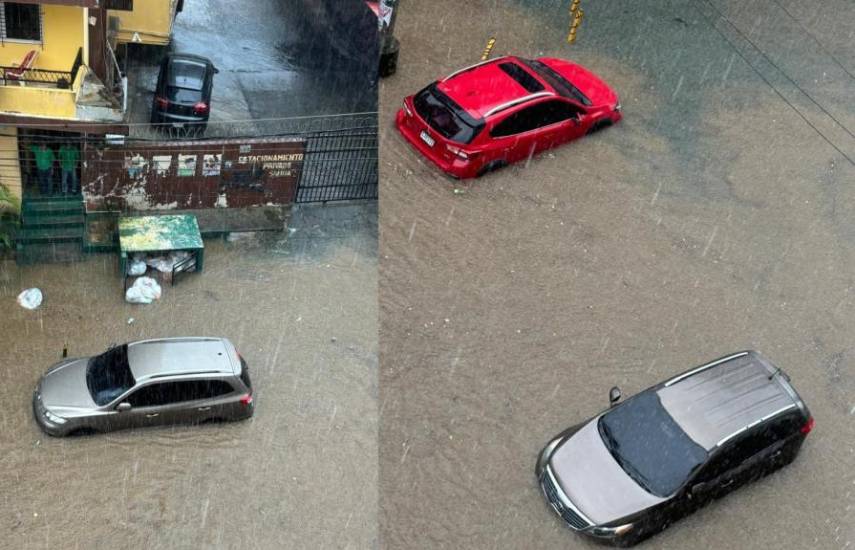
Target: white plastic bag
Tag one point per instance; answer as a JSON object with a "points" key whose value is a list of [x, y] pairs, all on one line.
{"points": [[30, 298], [137, 268], [145, 290]]}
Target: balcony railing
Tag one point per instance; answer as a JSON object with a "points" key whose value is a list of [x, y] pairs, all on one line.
{"points": [[44, 78]]}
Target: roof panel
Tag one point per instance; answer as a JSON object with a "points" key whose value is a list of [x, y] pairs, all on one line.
{"points": [[482, 88], [178, 355], [715, 403]]}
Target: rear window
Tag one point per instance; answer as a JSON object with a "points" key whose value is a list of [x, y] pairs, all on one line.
{"points": [[523, 78], [183, 95], [187, 75], [445, 116], [561, 84], [244, 374]]}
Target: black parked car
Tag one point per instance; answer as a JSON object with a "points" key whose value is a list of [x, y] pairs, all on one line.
{"points": [[183, 94], [630, 471]]}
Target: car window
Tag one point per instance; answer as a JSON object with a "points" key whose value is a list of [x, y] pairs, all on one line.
{"points": [[108, 375], [720, 463], [649, 444], [558, 82], [536, 116], [445, 116], [154, 395], [244, 374], [187, 75], [183, 95], [522, 77]]}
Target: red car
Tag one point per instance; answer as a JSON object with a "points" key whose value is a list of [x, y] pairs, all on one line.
{"points": [[505, 110]]}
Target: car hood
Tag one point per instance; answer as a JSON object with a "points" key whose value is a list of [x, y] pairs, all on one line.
{"points": [[594, 481], [64, 386], [588, 83]]}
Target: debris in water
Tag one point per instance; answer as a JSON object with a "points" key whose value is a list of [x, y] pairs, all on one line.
{"points": [[131, 320], [458, 191], [30, 298]]}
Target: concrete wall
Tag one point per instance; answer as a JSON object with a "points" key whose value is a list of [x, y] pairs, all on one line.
{"points": [[10, 167], [62, 36]]}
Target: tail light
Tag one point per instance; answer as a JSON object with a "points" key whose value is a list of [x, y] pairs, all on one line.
{"points": [[246, 399], [808, 426], [201, 108], [162, 102], [458, 151]]}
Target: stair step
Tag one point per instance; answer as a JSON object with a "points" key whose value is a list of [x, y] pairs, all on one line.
{"points": [[54, 220], [36, 253], [50, 208], [55, 198], [49, 234]]}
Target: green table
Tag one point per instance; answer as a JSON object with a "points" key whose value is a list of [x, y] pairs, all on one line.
{"points": [[159, 234]]}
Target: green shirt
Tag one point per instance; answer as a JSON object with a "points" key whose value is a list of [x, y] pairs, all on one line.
{"points": [[44, 157], [68, 157]]}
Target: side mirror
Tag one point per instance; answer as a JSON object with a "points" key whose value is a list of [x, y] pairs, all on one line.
{"points": [[123, 406], [614, 396]]}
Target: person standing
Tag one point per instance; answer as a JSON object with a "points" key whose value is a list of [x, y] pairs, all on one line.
{"points": [[68, 158], [44, 166]]}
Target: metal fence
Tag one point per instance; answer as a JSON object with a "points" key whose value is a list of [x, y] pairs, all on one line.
{"points": [[340, 165]]}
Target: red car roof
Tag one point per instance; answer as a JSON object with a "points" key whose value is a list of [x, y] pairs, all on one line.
{"points": [[479, 89]]}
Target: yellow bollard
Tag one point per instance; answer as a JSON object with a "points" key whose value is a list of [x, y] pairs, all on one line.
{"points": [[575, 21], [488, 49]]}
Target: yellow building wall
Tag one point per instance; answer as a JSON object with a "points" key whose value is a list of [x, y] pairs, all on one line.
{"points": [[62, 36], [151, 19], [10, 168]]}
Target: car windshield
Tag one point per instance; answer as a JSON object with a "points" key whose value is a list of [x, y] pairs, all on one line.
{"points": [[561, 84], [445, 116], [108, 375], [649, 445]]}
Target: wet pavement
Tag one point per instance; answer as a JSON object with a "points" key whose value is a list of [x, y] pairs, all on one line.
{"points": [[300, 305], [717, 216], [271, 66]]}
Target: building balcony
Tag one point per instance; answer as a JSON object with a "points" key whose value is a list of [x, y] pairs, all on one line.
{"points": [[74, 95]]}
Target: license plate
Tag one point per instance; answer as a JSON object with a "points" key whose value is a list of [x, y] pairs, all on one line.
{"points": [[178, 125], [427, 139]]}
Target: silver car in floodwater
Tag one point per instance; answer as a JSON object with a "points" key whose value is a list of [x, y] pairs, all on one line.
{"points": [[145, 383], [629, 472]]}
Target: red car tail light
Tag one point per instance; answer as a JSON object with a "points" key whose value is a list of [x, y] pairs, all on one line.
{"points": [[808, 426], [162, 102], [201, 108], [246, 399], [458, 151]]}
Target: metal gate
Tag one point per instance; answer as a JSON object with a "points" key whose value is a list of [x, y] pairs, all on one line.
{"points": [[339, 165]]}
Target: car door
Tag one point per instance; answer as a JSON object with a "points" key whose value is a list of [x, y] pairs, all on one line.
{"points": [[152, 404], [202, 400], [559, 123], [514, 137]]}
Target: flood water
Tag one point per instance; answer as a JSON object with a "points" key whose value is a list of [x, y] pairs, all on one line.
{"points": [[301, 308], [711, 219]]}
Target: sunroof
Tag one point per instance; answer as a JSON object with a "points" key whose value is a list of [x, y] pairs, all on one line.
{"points": [[522, 76]]}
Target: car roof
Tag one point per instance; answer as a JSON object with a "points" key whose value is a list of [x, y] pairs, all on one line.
{"points": [[719, 400], [481, 88], [179, 356], [189, 57]]}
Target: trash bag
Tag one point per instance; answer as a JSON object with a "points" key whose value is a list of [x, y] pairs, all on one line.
{"points": [[137, 268], [161, 263], [145, 290], [30, 298]]}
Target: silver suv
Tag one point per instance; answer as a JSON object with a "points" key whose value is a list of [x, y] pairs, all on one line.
{"points": [[629, 472], [145, 383]]}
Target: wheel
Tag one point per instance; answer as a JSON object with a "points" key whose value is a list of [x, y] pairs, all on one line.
{"points": [[491, 166], [599, 125]]}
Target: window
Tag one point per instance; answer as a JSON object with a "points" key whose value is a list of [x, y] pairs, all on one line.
{"points": [[536, 116], [649, 445], [108, 375], [561, 84], [445, 116], [244, 374], [21, 22], [522, 77], [166, 393]]}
